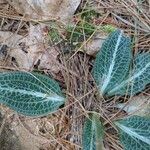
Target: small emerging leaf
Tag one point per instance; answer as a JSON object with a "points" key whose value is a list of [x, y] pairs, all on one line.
{"points": [[112, 62], [30, 94], [134, 133], [93, 132]]}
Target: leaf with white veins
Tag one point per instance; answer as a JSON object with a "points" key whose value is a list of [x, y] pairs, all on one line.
{"points": [[93, 133], [30, 94], [138, 79], [134, 133], [112, 62]]}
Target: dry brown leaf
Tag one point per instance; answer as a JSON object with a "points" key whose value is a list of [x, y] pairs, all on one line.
{"points": [[94, 45], [2, 1], [10, 39], [27, 140], [46, 9], [7, 40], [32, 49], [49, 60], [138, 105]]}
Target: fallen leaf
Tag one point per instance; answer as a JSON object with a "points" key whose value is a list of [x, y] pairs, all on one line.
{"points": [[138, 105], [31, 50], [46, 9], [8, 140], [7, 40], [94, 44], [49, 60], [10, 39], [2, 1], [24, 135]]}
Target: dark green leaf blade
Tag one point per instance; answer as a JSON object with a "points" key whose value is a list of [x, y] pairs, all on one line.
{"points": [[112, 63], [134, 133], [138, 79], [93, 133], [30, 94]]}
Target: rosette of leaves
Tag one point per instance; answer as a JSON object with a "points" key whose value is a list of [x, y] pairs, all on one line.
{"points": [[115, 72], [31, 94]]}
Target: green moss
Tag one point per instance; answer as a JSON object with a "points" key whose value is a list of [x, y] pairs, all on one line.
{"points": [[54, 35], [84, 28], [108, 28]]}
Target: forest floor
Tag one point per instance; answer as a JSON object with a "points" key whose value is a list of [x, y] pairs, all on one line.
{"points": [[65, 51]]}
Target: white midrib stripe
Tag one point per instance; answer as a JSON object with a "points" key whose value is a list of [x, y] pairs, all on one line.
{"points": [[108, 78], [53, 97], [133, 134], [93, 126], [130, 79]]}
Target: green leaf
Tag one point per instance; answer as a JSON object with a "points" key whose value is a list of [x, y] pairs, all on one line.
{"points": [[30, 94], [138, 79], [93, 133], [112, 62], [134, 133]]}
